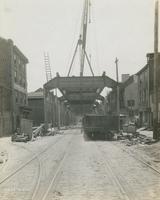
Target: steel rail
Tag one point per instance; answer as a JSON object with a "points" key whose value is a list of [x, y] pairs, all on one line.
{"points": [[114, 176], [137, 157], [27, 163], [58, 170], [39, 168]]}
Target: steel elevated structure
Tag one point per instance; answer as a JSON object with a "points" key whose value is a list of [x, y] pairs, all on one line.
{"points": [[81, 90]]}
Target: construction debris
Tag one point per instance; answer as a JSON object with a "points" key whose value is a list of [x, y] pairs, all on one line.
{"points": [[51, 132], [19, 138], [135, 138]]}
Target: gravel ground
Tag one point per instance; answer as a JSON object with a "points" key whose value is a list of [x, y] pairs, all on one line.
{"points": [[150, 153], [67, 167], [139, 181]]}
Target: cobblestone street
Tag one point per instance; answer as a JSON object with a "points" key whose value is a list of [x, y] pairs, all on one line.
{"points": [[66, 167], [79, 100]]}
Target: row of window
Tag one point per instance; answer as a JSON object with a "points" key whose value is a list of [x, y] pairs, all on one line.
{"points": [[18, 61], [20, 80], [143, 96], [131, 103], [5, 97], [19, 71], [21, 68], [20, 98]]}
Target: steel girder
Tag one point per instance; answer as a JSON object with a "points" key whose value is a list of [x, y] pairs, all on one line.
{"points": [[80, 89]]}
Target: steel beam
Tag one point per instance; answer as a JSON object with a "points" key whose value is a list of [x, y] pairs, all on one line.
{"points": [[81, 90], [80, 82]]}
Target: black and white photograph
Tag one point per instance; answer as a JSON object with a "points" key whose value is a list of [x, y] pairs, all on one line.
{"points": [[79, 100]]}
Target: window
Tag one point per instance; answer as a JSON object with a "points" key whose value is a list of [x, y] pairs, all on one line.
{"points": [[23, 68], [19, 61], [15, 76], [16, 96], [15, 59], [131, 103]]}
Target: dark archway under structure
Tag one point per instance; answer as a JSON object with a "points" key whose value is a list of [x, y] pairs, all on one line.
{"points": [[80, 92]]}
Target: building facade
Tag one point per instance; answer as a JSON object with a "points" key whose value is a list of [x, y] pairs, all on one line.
{"points": [[144, 96], [131, 98], [51, 110], [36, 103], [13, 87], [137, 95], [146, 91]]}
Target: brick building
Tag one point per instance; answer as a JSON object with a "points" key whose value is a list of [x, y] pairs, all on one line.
{"points": [[13, 87], [36, 103], [146, 91], [130, 87], [144, 96], [49, 110]]}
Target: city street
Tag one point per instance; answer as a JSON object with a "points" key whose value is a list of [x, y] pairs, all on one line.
{"points": [[79, 100], [67, 167]]}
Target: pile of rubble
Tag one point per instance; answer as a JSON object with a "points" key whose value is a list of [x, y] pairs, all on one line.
{"points": [[36, 133], [19, 137], [130, 139], [52, 132]]}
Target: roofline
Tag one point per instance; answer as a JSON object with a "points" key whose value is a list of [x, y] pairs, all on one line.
{"points": [[22, 55], [10, 41], [128, 81], [143, 69]]}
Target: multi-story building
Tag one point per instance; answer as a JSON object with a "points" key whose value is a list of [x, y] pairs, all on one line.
{"points": [[13, 87], [131, 98], [36, 103], [128, 98], [136, 94], [146, 91], [51, 110], [144, 96]]}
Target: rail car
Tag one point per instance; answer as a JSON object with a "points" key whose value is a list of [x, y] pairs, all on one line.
{"points": [[99, 126]]}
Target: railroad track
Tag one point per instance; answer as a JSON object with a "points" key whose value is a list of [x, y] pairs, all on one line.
{"points": [[125, 194], [139, 159], [34, 157], [57, 172], [39, 169]]}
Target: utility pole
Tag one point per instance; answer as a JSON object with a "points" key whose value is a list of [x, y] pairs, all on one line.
{"points": [[58, 111], [118, 103], [155, 95]]}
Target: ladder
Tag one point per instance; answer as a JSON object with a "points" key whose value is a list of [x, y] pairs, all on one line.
{"points": [[47, 66]]}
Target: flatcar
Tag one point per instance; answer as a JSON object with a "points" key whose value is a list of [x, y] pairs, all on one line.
{"points": [[98, 126]]}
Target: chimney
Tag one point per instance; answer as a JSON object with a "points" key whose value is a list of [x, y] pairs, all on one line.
{"points": [[125, 77]]}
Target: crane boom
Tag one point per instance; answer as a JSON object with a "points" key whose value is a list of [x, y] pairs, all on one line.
{"points": [[83, 36], [81, 44]]}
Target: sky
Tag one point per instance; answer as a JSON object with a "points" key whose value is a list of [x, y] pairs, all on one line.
{"points": [[119, 28]]}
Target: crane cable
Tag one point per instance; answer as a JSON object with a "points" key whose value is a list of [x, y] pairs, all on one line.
{"points": [[74, 41]]}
